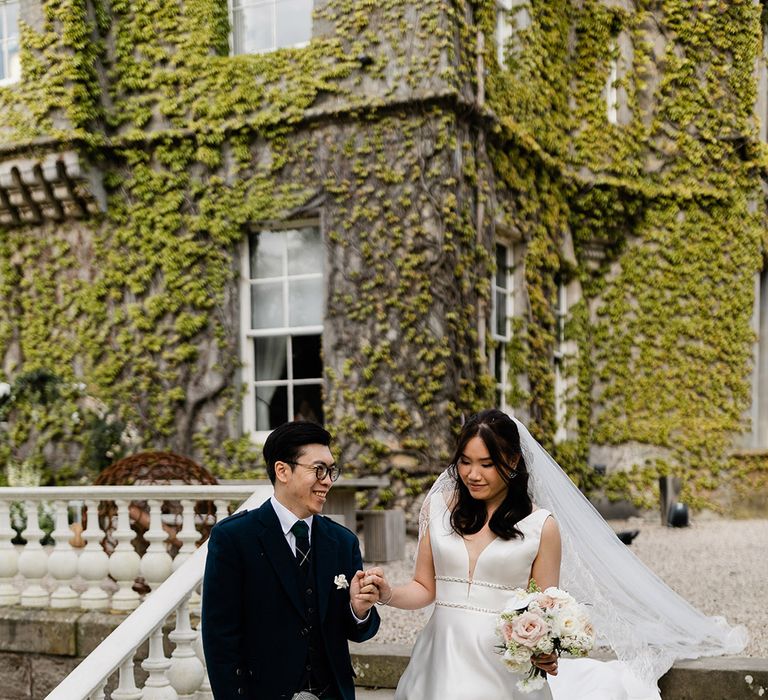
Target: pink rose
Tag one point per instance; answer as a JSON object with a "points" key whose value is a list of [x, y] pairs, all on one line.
{"points": [[529, 629], [506, 632]]}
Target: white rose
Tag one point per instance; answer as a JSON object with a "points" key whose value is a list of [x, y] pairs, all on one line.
{"points": [[5, 389], [566, 624]]}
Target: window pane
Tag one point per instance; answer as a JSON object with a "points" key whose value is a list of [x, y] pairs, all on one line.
{"points": [[12, 18], [306, 357], [267, 305], [294, 22], [255, 30], [305, 301], [305, 251], [271, 407], [270, 358], [498, 353], [501, 313], [308, 403], [2, 61], [267, 251], [501, 266]]}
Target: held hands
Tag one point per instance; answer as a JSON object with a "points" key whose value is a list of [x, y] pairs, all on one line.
{"points": [[546, 662], [362, 594], [375, 575]]}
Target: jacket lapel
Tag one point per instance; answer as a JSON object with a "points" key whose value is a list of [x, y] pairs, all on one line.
{"points": [[278, 552], [324, 553]]}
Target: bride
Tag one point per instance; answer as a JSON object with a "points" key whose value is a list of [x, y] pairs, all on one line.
{"points": [[503, 513]]}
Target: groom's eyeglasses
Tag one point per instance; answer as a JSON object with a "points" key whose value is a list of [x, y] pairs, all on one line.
{"points": [[321, 470]]}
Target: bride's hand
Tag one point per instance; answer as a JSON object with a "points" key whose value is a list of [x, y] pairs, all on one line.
{"points": [[546, 662]]}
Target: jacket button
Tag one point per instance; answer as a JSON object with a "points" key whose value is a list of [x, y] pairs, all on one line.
{"points": [[238, 671], [240, 691], [309, 591], [304, 632]]}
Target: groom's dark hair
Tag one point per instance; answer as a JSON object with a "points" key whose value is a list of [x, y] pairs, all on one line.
{"points": [[285, 442]]}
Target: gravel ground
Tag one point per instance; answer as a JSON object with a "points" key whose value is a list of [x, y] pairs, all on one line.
{"points": [[720, 566]]}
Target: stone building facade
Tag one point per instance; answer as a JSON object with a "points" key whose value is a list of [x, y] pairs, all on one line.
{"points": [[216, 216]]}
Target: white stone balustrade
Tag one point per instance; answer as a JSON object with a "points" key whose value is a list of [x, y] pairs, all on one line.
{"points": [[33, 574], [62, 576], [181, 677]]}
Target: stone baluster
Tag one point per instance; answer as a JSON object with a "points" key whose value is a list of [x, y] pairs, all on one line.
{"points": [[222, 510], [62, 563], [33, 561], [157, 685], [98, 694], [188, 535], [126, 687], [156, 563], [205, 692], [124, 564], [93, 563], [9, 558], [186, 672]]}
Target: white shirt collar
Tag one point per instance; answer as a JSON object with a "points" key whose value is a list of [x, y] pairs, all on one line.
{"points": [[287, 518]]}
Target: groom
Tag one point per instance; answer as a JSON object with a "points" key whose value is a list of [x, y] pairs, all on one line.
{"points": [[283, 587]]}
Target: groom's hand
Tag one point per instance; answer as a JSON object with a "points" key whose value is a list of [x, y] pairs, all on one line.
{"points": [[362, 594]]}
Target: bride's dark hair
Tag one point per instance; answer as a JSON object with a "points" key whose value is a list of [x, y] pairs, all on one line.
{"points": [[499, 433]]}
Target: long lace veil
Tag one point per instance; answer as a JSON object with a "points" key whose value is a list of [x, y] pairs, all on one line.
{"points": [[635, 613]]}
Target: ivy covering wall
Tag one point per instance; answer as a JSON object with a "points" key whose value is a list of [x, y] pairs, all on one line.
{"points": [[671, 196], [398, 129]]}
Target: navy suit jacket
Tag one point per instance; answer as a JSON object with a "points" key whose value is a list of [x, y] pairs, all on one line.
{"points": [[255, 634]]}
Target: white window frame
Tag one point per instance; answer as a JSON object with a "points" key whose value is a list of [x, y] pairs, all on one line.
{"points": [[244, 5], [501, 341], [248, 334], [4, 41]]}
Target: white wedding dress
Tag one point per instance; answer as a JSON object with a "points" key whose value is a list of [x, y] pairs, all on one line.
{"points": [[456, 654]]}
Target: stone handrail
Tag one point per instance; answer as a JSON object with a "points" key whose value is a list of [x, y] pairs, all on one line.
{"points": [[183, 675]]}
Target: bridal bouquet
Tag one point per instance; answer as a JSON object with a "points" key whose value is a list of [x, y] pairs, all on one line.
{"points": [[541, 622]]}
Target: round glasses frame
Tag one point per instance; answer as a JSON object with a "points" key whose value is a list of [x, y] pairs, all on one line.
{"points": [[321, 470]]}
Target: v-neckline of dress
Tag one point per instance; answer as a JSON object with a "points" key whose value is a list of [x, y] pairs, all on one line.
{"points": [[473, 571]]}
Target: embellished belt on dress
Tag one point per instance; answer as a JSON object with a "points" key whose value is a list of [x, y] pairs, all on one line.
{"points": [[485, 584], [465, 606]]}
